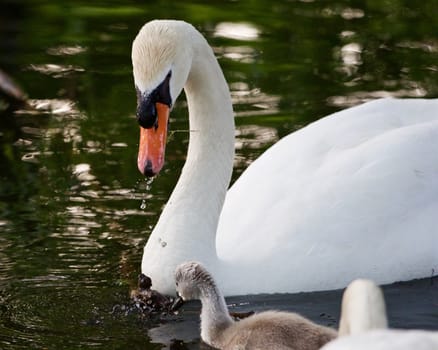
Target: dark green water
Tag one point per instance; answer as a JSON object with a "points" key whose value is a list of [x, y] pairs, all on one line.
{"points": [[74, 210]]}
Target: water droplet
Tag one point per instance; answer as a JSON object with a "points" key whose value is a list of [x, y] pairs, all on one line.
{"points": [[149, 183], [161, 242], [143, 204]]}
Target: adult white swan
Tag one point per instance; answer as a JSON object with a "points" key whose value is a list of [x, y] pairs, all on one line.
{"points": [[354, 194], [363, 324]]}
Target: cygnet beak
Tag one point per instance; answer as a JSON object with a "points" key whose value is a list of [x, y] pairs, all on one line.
{"points": [[179, 301]]}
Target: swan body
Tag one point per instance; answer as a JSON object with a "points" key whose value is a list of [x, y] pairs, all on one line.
{"points": [[363, 324], [266, 330], [353, 194], [387, 339]]}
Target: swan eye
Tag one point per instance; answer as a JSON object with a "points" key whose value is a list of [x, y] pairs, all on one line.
{"points": [[163, 91], [146, 111]]}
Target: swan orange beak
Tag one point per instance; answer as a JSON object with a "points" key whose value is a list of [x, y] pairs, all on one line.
{"points": [[152, 144]]}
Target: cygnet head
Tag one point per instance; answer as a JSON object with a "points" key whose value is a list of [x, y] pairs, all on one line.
{"points": [[193, 281]]}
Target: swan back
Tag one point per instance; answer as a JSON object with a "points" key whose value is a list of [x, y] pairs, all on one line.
{"points": [[367, 173], [363, 308]]}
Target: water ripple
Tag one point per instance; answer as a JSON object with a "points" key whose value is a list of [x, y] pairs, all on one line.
{"points": [[55, 70]]}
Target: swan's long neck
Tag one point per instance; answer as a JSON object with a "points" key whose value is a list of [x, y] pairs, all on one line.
{"points": [[363, 308], [187, 226]]}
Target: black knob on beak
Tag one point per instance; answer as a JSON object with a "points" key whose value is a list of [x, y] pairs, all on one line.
{"points": [[146, 112]]}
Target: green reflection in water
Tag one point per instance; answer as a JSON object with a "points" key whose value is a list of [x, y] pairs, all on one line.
{"points": [[74, 211]]}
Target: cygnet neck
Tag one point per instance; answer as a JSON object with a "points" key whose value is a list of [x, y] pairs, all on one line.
{"points": [[215, 318]]}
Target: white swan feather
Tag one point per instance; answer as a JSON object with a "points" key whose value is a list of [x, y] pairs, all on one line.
{"points": [[363, 324], [353, 194]]}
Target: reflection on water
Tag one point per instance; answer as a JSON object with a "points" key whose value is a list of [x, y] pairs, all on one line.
{"points": [[65, 50], [363, 96], [255, 101], [74, 211], [63, 107], [242, 54], [237, 31], [55, 70]]}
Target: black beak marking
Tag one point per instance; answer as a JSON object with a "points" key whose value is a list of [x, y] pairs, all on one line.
{"points": [[146, 111], [148, 171]]}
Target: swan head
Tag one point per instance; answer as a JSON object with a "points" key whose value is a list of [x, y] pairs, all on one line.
{"points": [[192, 281], [161, 60]]}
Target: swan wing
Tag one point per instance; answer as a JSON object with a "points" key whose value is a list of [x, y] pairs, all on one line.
{"points": [[340, 196]]}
